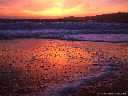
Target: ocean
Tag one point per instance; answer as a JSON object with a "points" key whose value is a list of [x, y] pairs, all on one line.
{"points": [[111, 32]]}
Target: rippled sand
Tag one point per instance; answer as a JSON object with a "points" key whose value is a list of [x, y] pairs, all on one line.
{"points": [[31, 66]]}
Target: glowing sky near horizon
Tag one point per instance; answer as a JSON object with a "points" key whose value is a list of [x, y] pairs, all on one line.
{"points": [[60, 8]]}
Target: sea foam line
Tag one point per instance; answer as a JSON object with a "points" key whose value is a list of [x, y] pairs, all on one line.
{"points": [[72, 86]]}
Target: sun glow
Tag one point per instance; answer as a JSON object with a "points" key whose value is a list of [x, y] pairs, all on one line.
{"points": [[57, 11], [60, 8]]}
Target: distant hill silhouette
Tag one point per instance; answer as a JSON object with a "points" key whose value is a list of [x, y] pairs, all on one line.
{"points": [[120, 17]]}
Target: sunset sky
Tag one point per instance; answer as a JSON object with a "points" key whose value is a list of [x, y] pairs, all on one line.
{"points": [[59, 8]]}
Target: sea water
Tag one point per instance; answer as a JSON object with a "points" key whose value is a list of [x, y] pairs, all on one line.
{"points": [[112, 32]]}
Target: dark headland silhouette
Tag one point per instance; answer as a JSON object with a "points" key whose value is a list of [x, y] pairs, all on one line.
{"points": [[120, 17]]}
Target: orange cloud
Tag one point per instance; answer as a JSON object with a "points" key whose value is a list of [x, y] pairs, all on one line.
{"points": [[54, 8]]}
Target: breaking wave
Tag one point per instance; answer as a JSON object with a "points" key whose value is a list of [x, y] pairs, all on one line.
{"points": [[111, 32]]}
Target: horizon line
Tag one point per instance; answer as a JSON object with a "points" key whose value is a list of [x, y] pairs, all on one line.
{"points": [[21, 17]]}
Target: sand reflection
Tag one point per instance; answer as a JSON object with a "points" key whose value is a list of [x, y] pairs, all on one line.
{"points": [[44, 62], [56, 62]]}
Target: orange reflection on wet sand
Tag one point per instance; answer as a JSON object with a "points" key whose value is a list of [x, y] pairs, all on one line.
{"points": [[62, 55], [45, 60], [41, 62], [55, 61]]}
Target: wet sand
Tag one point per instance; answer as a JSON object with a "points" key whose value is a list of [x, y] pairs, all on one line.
{"points": [[30, 66]]}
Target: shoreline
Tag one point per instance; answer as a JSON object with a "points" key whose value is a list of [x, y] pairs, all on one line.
{"points": [[80, 37], [65, 40]]}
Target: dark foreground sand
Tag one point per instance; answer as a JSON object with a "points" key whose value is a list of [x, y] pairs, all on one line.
{"points": [[29, 66]]}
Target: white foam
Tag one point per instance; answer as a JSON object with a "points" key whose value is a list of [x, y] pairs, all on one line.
{"points": [[101, 37], [76, 84], [111, 32]]}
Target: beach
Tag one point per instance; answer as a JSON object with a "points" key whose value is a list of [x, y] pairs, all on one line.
{"points": [[39, 67]]}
